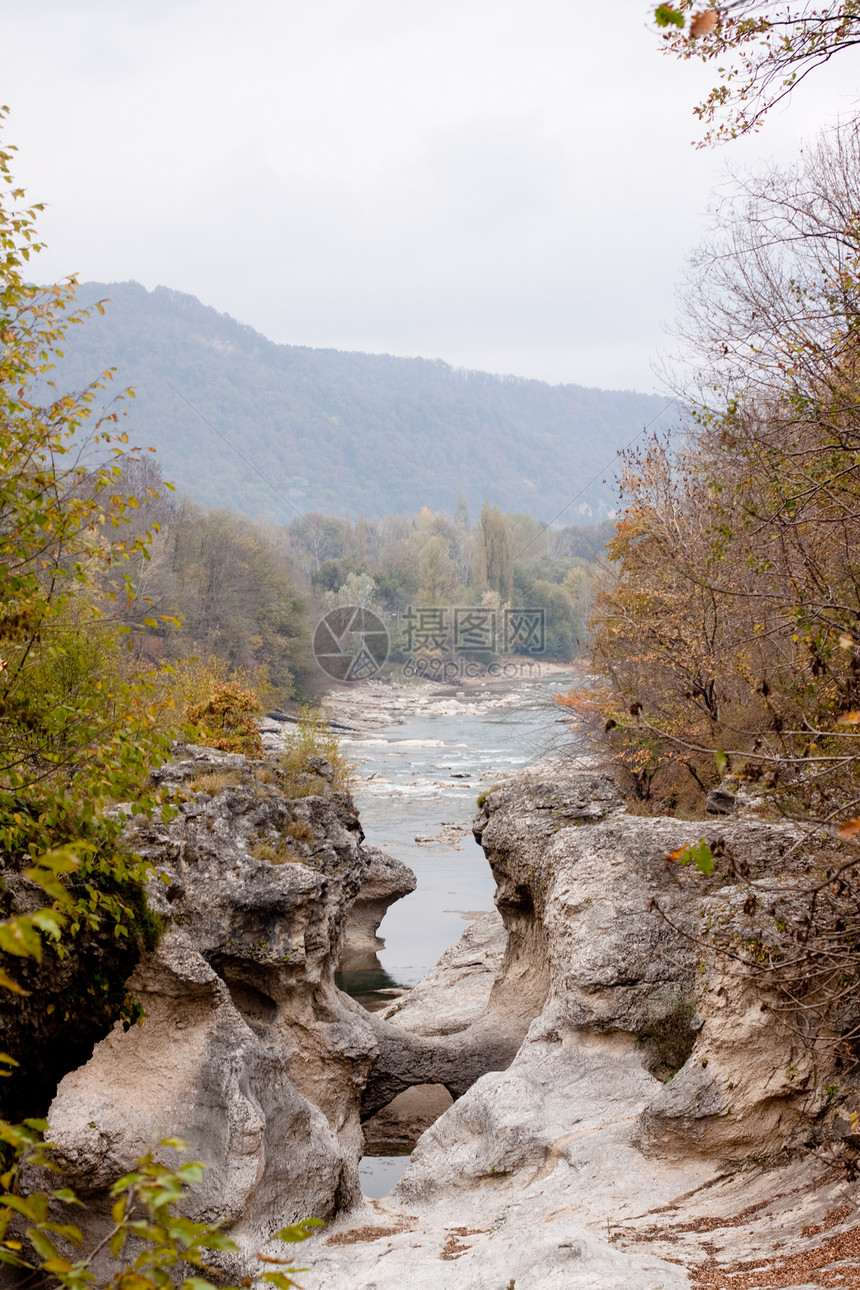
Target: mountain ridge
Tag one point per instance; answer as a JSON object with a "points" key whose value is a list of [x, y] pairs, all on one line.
{"points": [[340, 431]]}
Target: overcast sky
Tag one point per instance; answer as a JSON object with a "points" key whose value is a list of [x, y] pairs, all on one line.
{"points": [[508, 186]]}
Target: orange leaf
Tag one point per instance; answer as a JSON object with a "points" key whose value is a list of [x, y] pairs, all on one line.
{"points": [[850, 829], [703, 23], [849, 719]]}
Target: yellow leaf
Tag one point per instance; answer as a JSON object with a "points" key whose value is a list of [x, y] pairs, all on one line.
{"points": [[134, 1281], [7, 983]]}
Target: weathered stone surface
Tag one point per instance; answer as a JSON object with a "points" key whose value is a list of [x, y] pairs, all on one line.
{"points": [[575, 1166], [455, 994], [564, 1161], [247, 1050], [618, 922], [721, 801], [578, 905], [404, 1059], [751, 1086], [451, 1037], [385, 880]]}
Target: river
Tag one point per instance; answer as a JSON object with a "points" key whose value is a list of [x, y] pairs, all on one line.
{"points": [[420, 779]]}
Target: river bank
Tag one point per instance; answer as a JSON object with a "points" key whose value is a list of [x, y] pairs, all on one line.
{"points": [[610, 1111]]}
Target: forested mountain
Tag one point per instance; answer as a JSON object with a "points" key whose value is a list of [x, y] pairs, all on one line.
{"points": [[343, 432]]}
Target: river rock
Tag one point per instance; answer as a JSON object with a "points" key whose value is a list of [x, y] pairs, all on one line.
{"points": [[451, 999], [455, 994]]}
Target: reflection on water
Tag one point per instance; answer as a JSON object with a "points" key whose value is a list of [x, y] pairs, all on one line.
{"points": [[372, 987], [378, 1174]]}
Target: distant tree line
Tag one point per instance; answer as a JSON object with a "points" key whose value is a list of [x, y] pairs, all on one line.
{"points": [[212, 584]]}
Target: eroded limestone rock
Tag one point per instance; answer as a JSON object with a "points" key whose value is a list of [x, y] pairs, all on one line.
{"points": [[455, 994], [247, 1050], [386, 879], [577, 1166], [569, 1157]]}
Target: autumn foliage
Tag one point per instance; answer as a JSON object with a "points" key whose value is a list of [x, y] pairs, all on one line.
{"points": [[729, 642], [727, 649], [760, 51]]}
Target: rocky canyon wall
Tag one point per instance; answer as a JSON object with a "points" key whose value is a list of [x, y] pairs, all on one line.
{"points": [[619, 1112]]}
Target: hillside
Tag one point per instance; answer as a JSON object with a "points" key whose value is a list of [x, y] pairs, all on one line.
{"points": [[343, 432]]}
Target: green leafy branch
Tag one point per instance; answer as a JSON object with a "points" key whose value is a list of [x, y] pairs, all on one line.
{"points": [[149, 1236], [698, 853], [665, 15]]}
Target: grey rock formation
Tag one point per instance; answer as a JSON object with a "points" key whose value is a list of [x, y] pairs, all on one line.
{"points": [[609, 1103], [583, 1164], [611, 920], [247, 1050], [404, 1060], [385, 880], [451, 999], [721, 801], [455, 994]]}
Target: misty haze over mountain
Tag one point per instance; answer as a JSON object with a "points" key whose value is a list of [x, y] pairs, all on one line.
{"points": [[344, 432]]}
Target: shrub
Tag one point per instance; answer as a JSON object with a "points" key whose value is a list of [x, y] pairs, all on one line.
{"points": [[76, 736], [215, 781], [312, 738], [669, 1036], [275, 853], [226, 720]]}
